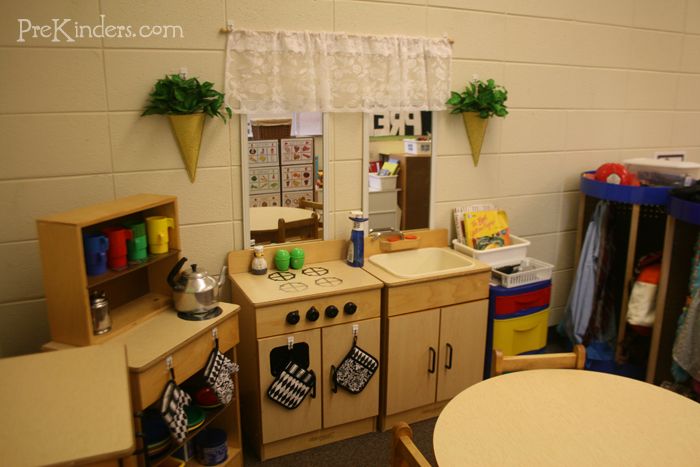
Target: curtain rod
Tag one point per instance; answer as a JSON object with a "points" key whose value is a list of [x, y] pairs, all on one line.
{"points": [[229, 28]]}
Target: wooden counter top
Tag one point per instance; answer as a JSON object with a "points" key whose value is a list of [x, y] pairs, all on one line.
{"points": [[263, 291], [64, 407], [162, 335]]}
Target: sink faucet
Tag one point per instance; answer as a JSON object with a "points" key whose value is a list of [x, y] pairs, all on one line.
{"points": [[384, 232]]}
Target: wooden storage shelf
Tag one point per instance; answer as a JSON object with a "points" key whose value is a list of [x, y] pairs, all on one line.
{"points": [[94, 281], [133, 294]]}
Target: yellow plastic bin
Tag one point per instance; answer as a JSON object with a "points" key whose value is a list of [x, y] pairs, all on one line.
{"points": [[526, 333]]}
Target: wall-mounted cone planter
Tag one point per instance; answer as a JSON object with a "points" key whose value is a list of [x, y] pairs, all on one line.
{"points": [[476, 129], [188, 132]]}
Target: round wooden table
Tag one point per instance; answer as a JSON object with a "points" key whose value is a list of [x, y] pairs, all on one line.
{"points": [[564, 418], [266, 218]]}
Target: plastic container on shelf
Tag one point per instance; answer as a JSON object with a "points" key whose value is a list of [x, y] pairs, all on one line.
{"points": [[382, 182], [533, 270], [518, 301], [503, 256], [678, 168], [413, 146]]}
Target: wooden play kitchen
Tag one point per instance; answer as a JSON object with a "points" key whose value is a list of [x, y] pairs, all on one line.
{"points": [[312, 316], [160, 346]]}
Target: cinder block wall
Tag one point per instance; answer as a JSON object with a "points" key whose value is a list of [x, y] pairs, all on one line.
{"points": [[590, 81]]}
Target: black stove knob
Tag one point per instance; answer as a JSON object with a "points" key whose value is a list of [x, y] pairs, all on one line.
{"points": [[350, 308], [293, 317], [312, 314], [331, 311]]}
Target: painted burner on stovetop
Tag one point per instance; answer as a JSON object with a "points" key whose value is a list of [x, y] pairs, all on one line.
{"points": [[281, 276], [314, 271], [328, 281], [291, 287]]}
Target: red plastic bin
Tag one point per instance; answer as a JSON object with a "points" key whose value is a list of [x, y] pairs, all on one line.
{"points": [[516, 300]]}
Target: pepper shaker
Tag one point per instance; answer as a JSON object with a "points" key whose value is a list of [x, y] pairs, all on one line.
{"points": [[99, 307]]}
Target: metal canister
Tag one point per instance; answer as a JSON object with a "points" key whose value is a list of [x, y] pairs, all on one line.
{"points": [[99, 306]]}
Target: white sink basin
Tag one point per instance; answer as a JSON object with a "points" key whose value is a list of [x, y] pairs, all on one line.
{"points": [[422, 262]]}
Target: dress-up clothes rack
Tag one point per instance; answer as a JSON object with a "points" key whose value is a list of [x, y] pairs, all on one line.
{"points": [[633, 226]]}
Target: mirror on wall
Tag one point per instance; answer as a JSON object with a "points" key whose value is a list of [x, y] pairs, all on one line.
{"points": [[283, 158], [398, 188]]}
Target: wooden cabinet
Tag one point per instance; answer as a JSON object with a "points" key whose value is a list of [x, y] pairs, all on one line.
{"points": [[414, 193], [134, 294], [143, 321], [432, 355]]}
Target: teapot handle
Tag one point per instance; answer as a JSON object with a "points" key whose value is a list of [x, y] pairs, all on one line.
{"points": [[173, 272]]}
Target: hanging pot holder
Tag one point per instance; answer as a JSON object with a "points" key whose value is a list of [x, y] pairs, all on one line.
{"points": [[218, 373], [355, 371], [172, 409], [292, 385]]}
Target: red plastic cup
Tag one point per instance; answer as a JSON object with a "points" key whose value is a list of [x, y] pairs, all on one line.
{"points": [[116, 255]]}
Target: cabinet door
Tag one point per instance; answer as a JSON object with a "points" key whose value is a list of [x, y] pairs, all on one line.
{"points": [[279, 422], [342, 406], [412, 355], [462, 346]]}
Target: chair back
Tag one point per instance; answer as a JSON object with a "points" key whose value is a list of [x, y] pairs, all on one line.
{"points": [[304, 229], [404, 452], [505, 364]]}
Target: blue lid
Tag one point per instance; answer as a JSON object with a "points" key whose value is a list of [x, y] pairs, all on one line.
{"points": [[211, 437], [650, 195]]}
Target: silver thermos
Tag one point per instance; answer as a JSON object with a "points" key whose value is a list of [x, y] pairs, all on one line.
{"points": [[99, 306]]}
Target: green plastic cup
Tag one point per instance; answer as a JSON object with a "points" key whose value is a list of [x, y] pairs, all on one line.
{"points": [[297, 258], [282, 260]]}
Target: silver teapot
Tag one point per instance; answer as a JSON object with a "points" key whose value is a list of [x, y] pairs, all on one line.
{"points": [[194, 291]]}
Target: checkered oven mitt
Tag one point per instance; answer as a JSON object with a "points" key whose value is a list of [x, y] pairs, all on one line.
{"points": [[292, 385], [172, 409], [218, 373]]}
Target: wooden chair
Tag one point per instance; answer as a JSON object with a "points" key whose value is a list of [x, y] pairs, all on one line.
{"points": [[404, 452], [502, 364], [304, 229], [315, 206]]}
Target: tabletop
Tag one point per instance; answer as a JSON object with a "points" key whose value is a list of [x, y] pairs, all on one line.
{"points": [[65, 406], [266, 218], [567, 417]]}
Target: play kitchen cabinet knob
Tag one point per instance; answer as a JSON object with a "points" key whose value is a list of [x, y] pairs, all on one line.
{"points": [[331, 311], [312, 314], [293, 317], [350, 308]]}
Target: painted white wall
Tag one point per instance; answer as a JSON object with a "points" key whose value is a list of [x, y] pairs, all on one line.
{"points": [[590, 81]]}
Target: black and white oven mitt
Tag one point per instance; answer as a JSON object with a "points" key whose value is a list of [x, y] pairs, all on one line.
{"points": [[355, 371], [218, 374], [292, 385], [172, 409]]}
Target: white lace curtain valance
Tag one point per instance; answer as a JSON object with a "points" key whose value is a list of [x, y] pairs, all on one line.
{"points": [[280, 71]]}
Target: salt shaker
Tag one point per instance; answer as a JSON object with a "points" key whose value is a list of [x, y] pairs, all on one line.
{"points": [[99, 306], [259, 265]]}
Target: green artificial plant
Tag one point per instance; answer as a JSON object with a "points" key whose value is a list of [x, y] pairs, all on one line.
{"points": [[488, 99], [174, 95]]}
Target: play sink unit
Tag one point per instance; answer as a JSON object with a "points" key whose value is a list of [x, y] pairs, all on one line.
{"points": [[434, 319]]}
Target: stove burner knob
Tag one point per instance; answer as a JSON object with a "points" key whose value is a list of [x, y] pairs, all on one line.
{"points": [[312, 314], [331, 311], [350, 308], [293, 317]]}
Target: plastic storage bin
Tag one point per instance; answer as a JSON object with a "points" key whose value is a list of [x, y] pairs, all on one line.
{"points": [[503, 256], [537, 271], [528, 333], [382, 182], [509, 303]]}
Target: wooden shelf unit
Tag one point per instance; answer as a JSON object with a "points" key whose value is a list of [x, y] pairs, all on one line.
{"points": [[133, 293]]}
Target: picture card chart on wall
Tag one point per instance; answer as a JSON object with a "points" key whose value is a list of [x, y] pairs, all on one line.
{"points": [[281, 172]]}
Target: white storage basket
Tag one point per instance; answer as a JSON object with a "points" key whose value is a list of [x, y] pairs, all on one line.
{"points": [[503, 256], [382, 182], [537, 271]]}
